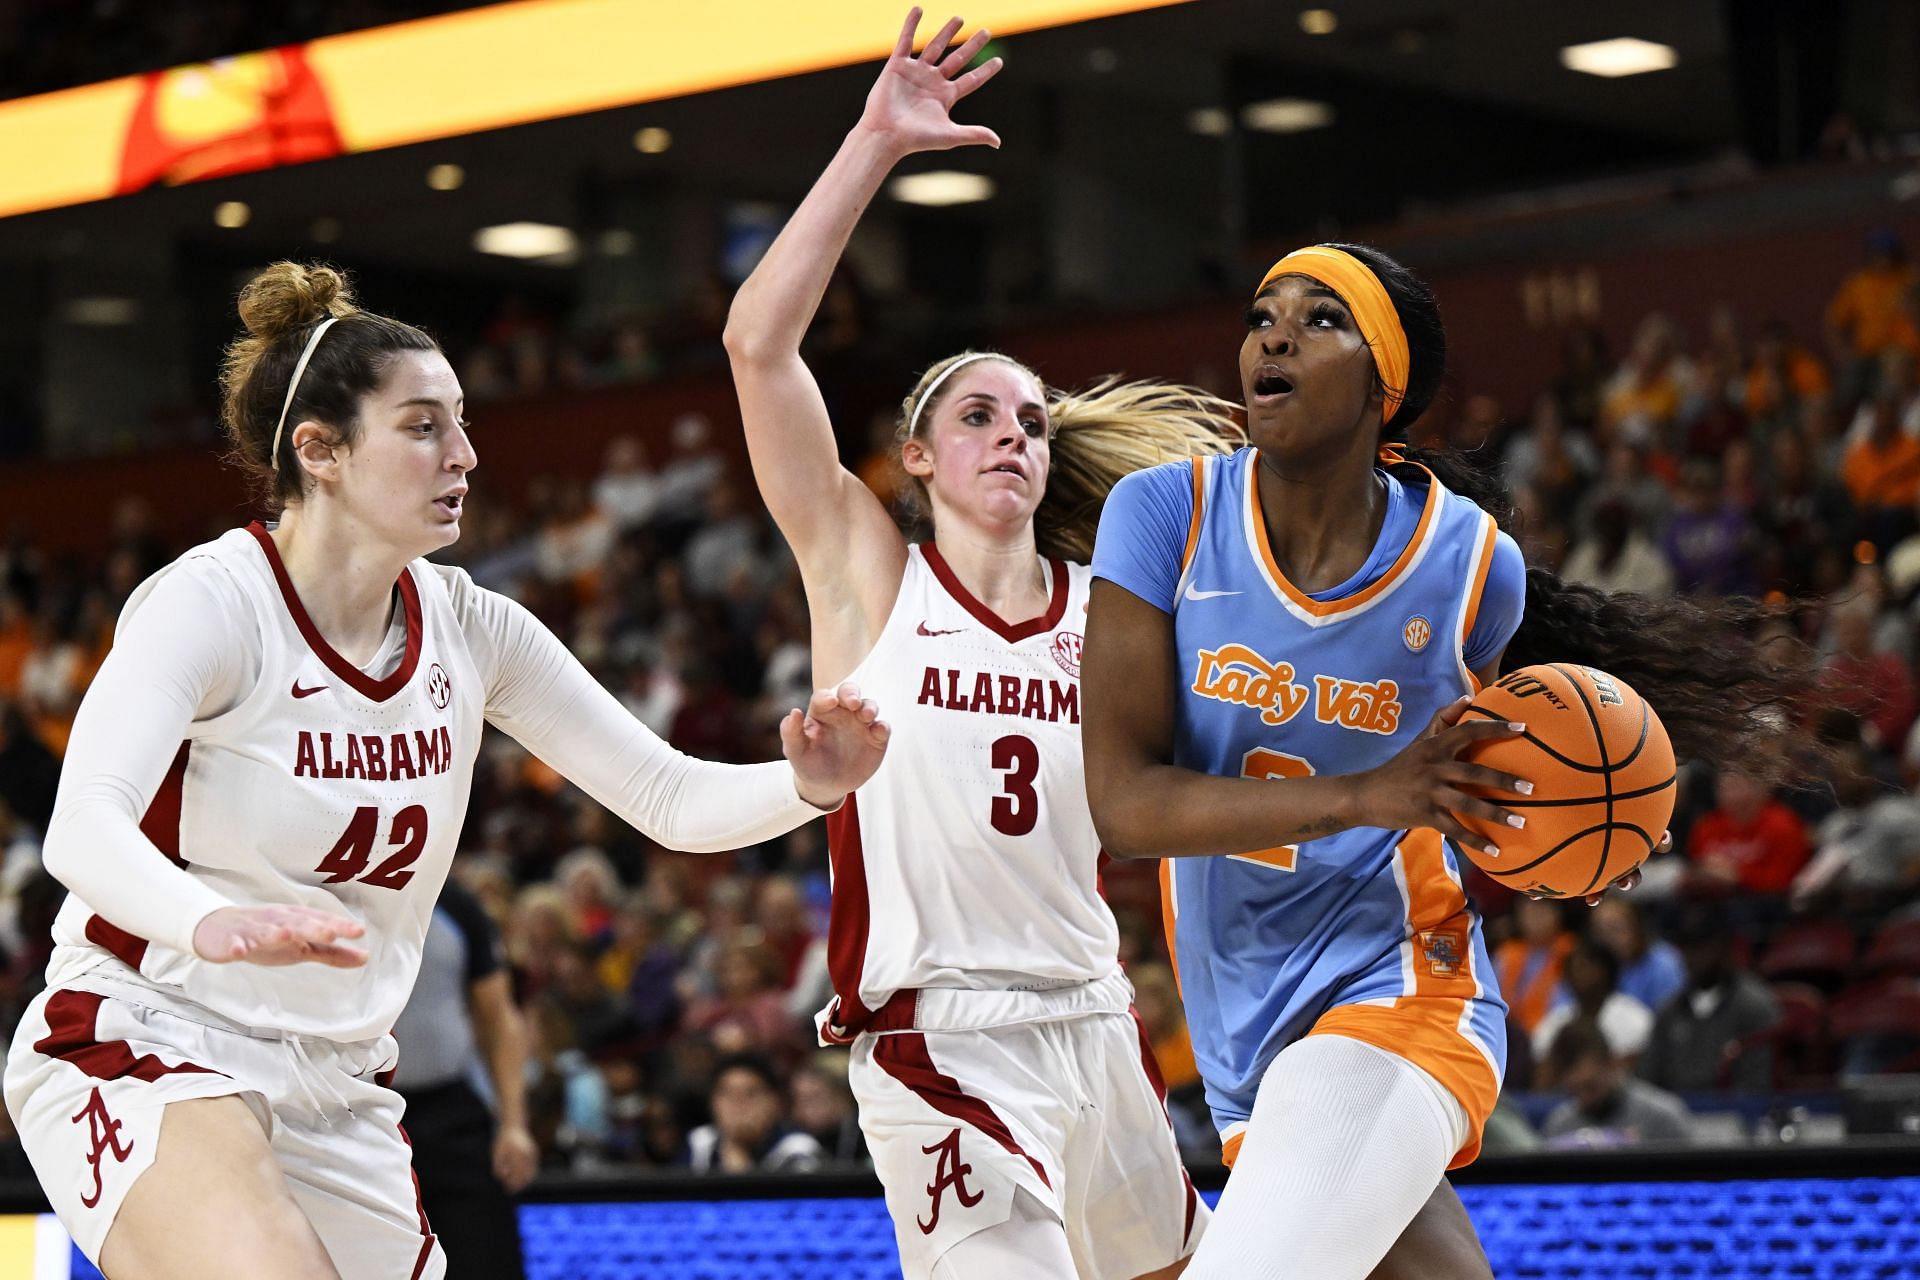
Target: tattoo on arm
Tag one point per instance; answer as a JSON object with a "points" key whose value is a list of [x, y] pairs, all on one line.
{"points": [[1325, 825]]}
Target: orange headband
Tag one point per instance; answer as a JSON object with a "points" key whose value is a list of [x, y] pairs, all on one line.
{"points": [[1372, 310]]}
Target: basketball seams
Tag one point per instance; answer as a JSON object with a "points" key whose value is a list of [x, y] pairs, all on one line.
{"points": [[1576, 837], [1639, 793], [1546, 750], [1606, 766]]}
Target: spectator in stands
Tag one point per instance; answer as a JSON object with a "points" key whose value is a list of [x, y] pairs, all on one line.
{"points": [[1617, 556], [587, 878], [627, 490], [1546, 457], [1642, 400], [1651, 970], [1782, 375], [1605, 1106], [1591, 991], [16, 641], [693, 468], [1708, 541], [1872, 684], [781, 920], [1748, 843], [29, 772], [1721, 1005], [1530, 962], [748, 1012], [1863, 318], [587, 1009], [1882, 470], [1581, 383], [823, 1107], [751, 1129], [639, 966], [1869, 846]]}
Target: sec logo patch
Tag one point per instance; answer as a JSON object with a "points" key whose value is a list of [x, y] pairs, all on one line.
{"points": [[1066, 652], [1416, 633]]}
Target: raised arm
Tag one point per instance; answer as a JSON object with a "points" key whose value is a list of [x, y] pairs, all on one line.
{"points": [[1144, 806], [540, 695], [849, 551]]}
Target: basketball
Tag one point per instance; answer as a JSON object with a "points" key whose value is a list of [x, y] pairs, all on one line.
{"points": [[1602, 771]]}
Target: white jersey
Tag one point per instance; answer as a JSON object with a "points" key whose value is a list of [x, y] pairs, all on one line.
{"points": [[304, 780], [968, 862], [320, 787]]}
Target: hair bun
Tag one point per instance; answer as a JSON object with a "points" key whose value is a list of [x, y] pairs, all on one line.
{"points": [[288, 296]]}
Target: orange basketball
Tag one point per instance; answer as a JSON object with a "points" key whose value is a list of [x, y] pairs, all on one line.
{"points": [[1602, 772]]}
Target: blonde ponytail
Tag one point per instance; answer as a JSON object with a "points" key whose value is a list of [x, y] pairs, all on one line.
{"points": [[1109, 430]]}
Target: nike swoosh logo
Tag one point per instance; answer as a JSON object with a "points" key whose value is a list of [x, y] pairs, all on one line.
{"points": [[1209, 595], [921, 630], [298, 692]]}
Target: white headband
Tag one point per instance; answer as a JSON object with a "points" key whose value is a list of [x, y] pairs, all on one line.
{"points": [[913, 423], [294, 386]]}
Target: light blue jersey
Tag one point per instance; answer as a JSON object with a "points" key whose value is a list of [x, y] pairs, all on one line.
{"points": [[1366, 933]]}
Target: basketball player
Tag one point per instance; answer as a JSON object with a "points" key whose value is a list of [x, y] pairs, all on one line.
{"points": [[1014, 1117], [262, 796], [1279, 646]]}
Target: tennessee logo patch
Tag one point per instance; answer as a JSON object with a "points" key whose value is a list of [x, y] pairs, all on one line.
{"points": [[1444, 951], [1066, 651], [1416, 633]]}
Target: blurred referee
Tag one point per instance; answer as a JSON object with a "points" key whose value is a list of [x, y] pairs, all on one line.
{"points": [[470, 1158]]}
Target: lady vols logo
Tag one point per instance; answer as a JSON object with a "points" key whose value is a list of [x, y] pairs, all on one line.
{"points": [[1416, 633]]}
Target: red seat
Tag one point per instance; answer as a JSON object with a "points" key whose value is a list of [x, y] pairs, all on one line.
{"points": [[1798, 1040], [1820, 952], [1894, 950], [1886, 1012], [1886, 1008]]}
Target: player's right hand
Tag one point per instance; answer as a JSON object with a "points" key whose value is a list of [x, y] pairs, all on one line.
{"points": [[278, 935], [910, 104], [1426, 784]]}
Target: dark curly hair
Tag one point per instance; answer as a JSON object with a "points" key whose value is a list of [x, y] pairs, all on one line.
{"points": [[1727, 693]]}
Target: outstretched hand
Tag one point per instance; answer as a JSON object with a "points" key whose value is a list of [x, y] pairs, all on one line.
{"points": [[276, 935], [835, 745], [911, 103]]}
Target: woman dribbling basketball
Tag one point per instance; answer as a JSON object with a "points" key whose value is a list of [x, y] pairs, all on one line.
{"points": [[1279, 646]]}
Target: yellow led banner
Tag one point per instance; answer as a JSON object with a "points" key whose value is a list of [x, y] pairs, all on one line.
{"points": [[441, 77]]}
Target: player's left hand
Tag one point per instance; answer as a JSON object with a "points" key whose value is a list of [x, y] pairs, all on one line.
{"points": [[516, 1157], [1632, 878], [834, 745]]}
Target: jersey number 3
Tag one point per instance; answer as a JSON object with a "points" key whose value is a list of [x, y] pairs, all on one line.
{"points": [[1266, 765], [354, 849], [1017, 807]]}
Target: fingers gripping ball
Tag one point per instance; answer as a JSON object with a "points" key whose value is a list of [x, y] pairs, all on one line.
{"points": [[1602, 772]]}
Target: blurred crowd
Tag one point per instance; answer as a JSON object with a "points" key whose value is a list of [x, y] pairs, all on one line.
{"points": [[1775, 953]]}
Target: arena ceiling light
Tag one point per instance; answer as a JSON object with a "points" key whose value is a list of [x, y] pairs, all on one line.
{"points": [[446, 177], [1625, 56], [101, 312], [1286, 115], [941, 187], [1209, 122], [1319, 22], [534, 241], [652, 140]]}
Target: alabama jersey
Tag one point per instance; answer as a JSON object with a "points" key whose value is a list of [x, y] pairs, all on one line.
{"points": [[321, 787], [1365, 933], [968, 863]]}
